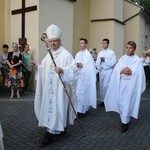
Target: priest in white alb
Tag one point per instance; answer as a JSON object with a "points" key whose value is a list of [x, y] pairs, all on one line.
{"points": [[52, 107], [105, 63], [125, 87], [86, 79]]}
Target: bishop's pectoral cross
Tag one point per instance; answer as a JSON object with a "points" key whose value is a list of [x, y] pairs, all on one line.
{"points": [[22, 11]]}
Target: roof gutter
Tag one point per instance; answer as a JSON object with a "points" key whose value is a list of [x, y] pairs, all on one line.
{"points": [[72, 0], [142, 10]]}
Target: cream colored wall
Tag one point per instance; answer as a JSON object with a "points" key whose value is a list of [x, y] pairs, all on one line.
{"points": [[118, 40], [32, 29], [7, 22], [99, 31], [59, 12], [131, 30], [135, 27], [135, 31], [2, 23], [31, 25], [118, 9], [100, 9], [112, 30], [15, 31], [81, 22], [141, 44]]}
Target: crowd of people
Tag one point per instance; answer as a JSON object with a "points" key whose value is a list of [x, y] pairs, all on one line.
{"points": [[15, 68], [66, 86]]}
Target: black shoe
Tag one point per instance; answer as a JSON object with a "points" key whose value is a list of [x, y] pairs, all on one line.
{"points": [[63, 132], [46, 140], [124, 127], [81, 115], [101, 104]]}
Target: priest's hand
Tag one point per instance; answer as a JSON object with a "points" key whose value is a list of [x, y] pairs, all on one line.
{"points": [[59, 70], [79, 65], [102, 59], [127, 71]]}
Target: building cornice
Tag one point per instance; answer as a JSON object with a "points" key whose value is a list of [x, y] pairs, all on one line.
{"points": [[108, 19], [72, 0]]}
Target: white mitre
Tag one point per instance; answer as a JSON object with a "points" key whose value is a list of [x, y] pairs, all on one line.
{"points": [[53, 32]]}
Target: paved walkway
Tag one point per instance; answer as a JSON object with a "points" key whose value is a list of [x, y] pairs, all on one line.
{"points": [[103, 129]]}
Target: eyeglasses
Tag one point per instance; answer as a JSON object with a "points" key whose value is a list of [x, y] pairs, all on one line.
{"points": [[54, 41]]}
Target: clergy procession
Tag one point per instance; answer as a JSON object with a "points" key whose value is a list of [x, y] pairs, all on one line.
{"points": [[66, 87], [74, 74]]}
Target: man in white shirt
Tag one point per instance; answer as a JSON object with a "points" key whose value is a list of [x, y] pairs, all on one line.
{"points": [[105, 63]]}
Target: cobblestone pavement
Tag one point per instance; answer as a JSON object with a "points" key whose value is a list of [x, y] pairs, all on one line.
{"points": [[103, 129]]}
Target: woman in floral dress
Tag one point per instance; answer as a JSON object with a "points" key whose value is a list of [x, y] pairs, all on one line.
{"points": [[14, 62]]}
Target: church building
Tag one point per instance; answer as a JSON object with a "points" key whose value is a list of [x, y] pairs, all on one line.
{"points": [[117, 20]]}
